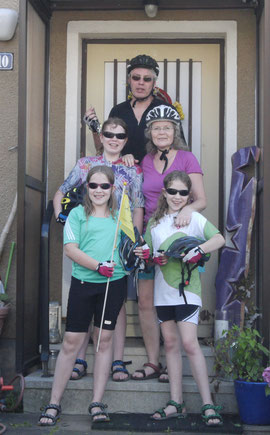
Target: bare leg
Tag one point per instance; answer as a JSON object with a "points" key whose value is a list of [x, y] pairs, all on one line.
{"points": [[188, 332], [64, 365], [82, 352], [102, 365], [149, 324], [174, 364]]}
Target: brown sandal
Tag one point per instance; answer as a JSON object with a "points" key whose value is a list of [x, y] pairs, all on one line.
{"points": [[154, 375], [164, 380]]}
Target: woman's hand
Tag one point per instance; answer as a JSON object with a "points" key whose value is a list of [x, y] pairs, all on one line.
{"points": [[184, 217], [129, 160]]}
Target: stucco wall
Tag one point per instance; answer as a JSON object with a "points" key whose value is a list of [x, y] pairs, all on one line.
{"points": [[246, 26], [8, 163]]}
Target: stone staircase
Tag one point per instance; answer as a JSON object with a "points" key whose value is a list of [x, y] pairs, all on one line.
{"points": [[131, 396]]}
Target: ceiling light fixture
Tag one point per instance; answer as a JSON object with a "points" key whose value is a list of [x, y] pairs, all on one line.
{"points": [[151, 7]]}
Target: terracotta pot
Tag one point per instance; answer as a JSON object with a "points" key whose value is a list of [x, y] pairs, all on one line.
{"points": [[3, 314]]}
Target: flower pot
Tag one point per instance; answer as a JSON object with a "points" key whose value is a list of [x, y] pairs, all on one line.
{"points": [[253, 404], [3, 314]]}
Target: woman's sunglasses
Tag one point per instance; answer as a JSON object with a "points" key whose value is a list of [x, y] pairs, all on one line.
{"points": [[146, 79], [172, 191], [110, 135], [104, 186]]}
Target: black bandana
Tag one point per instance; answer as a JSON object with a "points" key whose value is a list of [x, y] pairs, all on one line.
{"points": [[164, 157]]}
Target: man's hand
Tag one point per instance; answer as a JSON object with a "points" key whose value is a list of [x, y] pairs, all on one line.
{"points": [[90, 118]]}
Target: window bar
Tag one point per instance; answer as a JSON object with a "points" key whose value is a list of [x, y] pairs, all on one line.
{"points": [[114, 82], [177, 97], [165, 75], [127, 87], [190, 64]]}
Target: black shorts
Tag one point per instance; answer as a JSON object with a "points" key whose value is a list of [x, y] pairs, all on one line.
{"points": [[86, 300], [179, 313]]}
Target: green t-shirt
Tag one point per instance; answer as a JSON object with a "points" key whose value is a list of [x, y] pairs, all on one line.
{"points": [[95, 237]]}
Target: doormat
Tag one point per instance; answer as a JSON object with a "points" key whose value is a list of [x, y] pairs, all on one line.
{"points": [[192, 423]]}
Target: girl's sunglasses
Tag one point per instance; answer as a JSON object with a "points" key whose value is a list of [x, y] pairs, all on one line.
{"points": [[146, 79], [172, 191], [104, 186], [110, 135]]}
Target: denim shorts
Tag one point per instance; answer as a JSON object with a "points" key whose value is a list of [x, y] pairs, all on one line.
{"points": [[150, 274]]}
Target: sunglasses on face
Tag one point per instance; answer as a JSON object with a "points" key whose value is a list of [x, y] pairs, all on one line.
{"points": [[172, 191], [146, 79], [104, 186], [110, 135]]}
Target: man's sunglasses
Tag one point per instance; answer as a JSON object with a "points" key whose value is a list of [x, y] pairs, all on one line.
{"points": [[110, 135], [172, 191], [104, 186], [146, 79]]}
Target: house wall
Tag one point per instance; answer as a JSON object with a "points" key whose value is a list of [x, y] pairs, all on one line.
{"points": [[8, 185], [246, 25]]}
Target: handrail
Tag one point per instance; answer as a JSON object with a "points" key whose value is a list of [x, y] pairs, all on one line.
{"points": [[44, 295]]}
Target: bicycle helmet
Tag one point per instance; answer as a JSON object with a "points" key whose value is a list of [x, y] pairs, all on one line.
{"points": [[72, 198], [178, 249], [162, 113], [162, 95], [130, 262], [143, 61]]}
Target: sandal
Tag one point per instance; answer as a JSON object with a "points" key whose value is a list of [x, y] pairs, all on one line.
{"points": [[121, 369], [164, 380], [102, 406], [53, 418], [80, 373], [163, 416], [215, 416], [156, 374]]}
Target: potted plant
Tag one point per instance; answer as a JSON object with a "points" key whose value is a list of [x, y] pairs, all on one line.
{"points": [[239, 355]]}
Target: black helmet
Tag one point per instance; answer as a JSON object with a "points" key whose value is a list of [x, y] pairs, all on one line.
{"points": [[162, 113], [143, 61], [180, 247], [73, 198], [130, 262]]}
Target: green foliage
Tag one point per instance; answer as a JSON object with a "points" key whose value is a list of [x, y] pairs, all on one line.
{"points": [[3, 297], [239, 354]]}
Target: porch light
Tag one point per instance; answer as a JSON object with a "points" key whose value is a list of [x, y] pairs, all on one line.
{"points": [[8, 22], [151, 7]]}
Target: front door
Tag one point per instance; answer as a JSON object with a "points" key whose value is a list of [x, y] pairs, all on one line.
{"points": [[190, 72]]}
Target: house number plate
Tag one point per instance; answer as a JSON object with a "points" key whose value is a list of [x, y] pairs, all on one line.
{"points": [[6, 61]]}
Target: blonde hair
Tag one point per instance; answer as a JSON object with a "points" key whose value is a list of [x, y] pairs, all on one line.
{"points": [[162, 206], [112, 203]]}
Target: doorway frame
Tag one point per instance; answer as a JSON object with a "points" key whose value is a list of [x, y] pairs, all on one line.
{"points": [[168, 30]]}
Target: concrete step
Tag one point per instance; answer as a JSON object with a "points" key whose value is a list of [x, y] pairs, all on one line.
{"points": [[131, 396], [135, 351]]}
